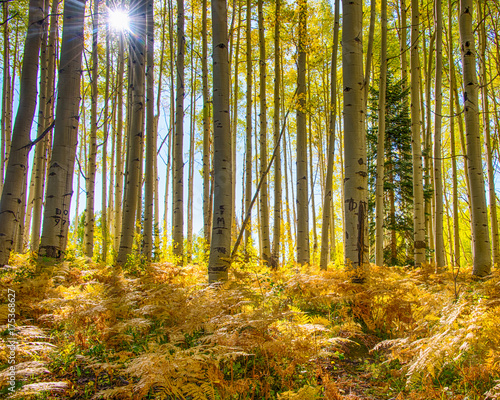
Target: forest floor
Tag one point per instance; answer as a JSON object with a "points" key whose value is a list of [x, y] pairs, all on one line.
{"points": [[85, 330]]}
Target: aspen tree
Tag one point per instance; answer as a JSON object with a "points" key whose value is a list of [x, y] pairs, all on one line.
{"points": [[60, 174], [492, 198], [480, 236], [248, 136], [6, 128], [275, 254], [264, 207], [92, 160], [45, 119], [418, 190], [135, 130], [438, 180], [104, 187], [302, 189], [379, 189], [117, 218], [327, 204], [150, 176], [16, 171], [222, 212], [178, 154], [355, 182]]}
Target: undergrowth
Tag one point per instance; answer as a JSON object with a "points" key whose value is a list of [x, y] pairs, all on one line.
{"points": [[89, 331]]}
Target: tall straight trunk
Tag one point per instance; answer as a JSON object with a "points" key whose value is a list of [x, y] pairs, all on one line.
{"points": [[119, 145], [135, 132], [234, 122], [379, 189], [222, 215], [6, 96], [150, 176], [479, 213], [56, 216], [355, 181], [312, 176], [265, 250], [248, 136], [302, 189], [178, 155], [438, 180], [369, 50], [192, 113], [327, 204], [456, 220], [403, 48], [104, 187], [207, 211], [275, 253], [492, 198], [416, 145], [45, 119], [92, 160], [13, 191]]}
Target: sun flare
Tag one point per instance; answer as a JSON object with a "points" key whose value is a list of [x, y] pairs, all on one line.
{"points": [[119, 19]]}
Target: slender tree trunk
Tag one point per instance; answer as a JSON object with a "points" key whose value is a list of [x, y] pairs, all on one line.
{"points": [[248, 145], [302, 189], [328, 204], [56, 216], [42, 149], [92, 161], [207, 211], [379, 189], [355, 181], [178, 158], [492, 198], [135, 132], [265, 250], [104, 186], [150, 176], [275, 254], [418, 190], [438, 180], [222, 215], [6, 96], [119, 146], [481, 243]]}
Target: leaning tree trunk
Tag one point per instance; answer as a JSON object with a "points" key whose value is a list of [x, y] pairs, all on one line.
{"points": [[327, 204], [12, 193], [60, 174], [416, 145], [302, 190], [135, 133], [222, 212], [355, 182], [479, 213]]}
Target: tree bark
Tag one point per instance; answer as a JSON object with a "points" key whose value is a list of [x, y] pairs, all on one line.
{"points": [[480, 236], [302, 189], [355, 181], [380, 177], [135, 132], [418, 190], [56, 216], [178, 156]]}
